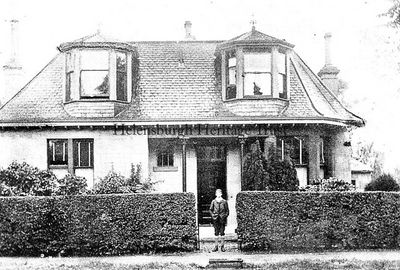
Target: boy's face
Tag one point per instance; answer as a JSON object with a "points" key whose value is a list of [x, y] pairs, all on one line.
{"points": [[218, 193]]}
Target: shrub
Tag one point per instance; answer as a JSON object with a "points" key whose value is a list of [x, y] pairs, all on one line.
{"points": [[96, 225], [305, 221], [72, 185], [330, 184], [268, 174], [384, 182], [282, 174], [22, 179], [114, 183], [254, 176]]}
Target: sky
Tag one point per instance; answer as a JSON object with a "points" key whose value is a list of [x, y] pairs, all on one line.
{"points": [[364, 48]]}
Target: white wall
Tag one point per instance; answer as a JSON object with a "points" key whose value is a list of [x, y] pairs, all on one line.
{"points": [[118, 151], [362, 179], [233, 184]]}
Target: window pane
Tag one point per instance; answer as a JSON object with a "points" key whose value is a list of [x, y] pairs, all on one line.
{"points": [[257, 84], [279, 142], [68, 81], [121, 62], [232, 75], [257, 62], [293, 147], [57, 152], [94, 83], [94, 59], [121, 86], [232, 62], [282, 85], [70, 62], [281, 63], [83, 153]]}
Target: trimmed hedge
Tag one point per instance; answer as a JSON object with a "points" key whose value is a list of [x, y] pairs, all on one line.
{"points": [[287, 221], [97, 225]]}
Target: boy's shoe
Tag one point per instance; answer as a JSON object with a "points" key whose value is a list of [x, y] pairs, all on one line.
{"points": [[222, 248], [215, 249]]}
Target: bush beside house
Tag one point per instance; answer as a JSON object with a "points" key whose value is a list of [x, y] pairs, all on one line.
{"points": [[97, 225], [385, 182], [305, 221]]}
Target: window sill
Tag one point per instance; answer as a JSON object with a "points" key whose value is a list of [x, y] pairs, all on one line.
{"points": [[58, 166], [165, 169], [261, 97], [96, 100], [83, 168]]}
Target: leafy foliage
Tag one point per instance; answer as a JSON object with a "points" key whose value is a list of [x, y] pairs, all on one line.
{"points": [[21, 179], [97, 225], [254, 176], [384, 182], [268, 174], [394, 14], [114, 183], [330, 184], [72, 185], [282, 173], [308, 221]]}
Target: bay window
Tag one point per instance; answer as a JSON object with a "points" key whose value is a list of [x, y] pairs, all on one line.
{"points": [[257, 74]]}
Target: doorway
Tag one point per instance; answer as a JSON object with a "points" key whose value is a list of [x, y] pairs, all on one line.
{"points": [[211, 175]]}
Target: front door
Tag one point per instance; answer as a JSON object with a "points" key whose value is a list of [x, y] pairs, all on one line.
{"points": [[211, 175]]}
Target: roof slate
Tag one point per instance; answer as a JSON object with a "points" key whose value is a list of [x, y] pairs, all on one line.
{"points": [[172, 90]]}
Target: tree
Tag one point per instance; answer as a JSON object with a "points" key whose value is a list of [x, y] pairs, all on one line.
{"points": [[384, 182], [254, 175], [366, 153], [393, 14], [282, 173]]}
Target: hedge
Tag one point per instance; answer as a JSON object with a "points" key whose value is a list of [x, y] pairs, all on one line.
{"points": [[289, 221], [97, 225]]}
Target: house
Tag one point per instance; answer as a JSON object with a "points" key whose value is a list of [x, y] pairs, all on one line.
{"points": [[188, 111], [361, 174]]}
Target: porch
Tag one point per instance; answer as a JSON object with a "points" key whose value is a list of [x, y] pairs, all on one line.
{"points": [[202, 161]]}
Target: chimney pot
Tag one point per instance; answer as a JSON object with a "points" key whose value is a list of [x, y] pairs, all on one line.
{"points": [[188, 31]]}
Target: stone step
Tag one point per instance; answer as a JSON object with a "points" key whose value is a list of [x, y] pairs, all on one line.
{"points": [[208, 246], [225, 263]]}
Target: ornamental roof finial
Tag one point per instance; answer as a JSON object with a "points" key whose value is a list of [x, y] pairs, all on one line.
{"points": [[253, 23]]}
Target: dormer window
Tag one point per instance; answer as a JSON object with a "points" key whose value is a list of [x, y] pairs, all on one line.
{"points": [[94, 75], [257, 74]]}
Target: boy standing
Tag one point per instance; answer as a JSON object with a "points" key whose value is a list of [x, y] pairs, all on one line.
{"points": [[219, 212]]}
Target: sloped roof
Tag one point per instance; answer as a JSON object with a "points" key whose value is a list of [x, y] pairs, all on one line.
{"points": [[359, 167], [172, 91], [255, 37]]}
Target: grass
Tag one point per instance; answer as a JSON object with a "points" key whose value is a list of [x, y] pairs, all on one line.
{"points": [[287, 265]]}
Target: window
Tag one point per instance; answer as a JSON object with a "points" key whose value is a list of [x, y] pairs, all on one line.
{"points": [[121, 76], [281, 65], [70, 61], [57, 152], [323, 151], [231, 88], [257, 74], [83, 153], [165, 158], [94, 78], [294, 148]]}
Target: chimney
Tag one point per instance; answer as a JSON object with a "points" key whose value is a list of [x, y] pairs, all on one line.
{"points": [[188, 31], [12, 70], [329, 73]]}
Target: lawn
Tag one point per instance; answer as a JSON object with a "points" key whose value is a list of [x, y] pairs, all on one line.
{"points": [[287, 265]]}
